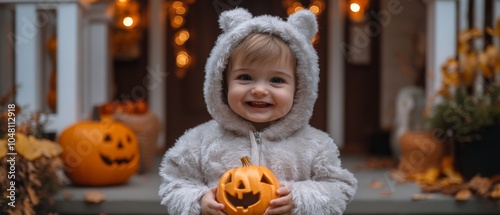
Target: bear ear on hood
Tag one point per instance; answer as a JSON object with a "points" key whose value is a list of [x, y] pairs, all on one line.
{"points": [[305, 22], [232, 18]]}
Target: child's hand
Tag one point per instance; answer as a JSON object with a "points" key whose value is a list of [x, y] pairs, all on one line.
{"points": [[282, 205], [210, 206]]}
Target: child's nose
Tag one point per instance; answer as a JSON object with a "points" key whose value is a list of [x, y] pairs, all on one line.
{"points": [[259, 91]]}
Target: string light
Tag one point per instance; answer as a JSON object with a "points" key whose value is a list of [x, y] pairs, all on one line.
{"points": [[317, 7], [182, 59], [355, 7], [293, 6], [128, 21], [177, 11], [126, 32]]}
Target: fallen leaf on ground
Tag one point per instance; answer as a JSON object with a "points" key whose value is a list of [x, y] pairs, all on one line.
{"points": [[463, 195], [419, 196], [94, 196], [68, 196], [376, 184], [496, 192], [480, 185], [380, 163]]}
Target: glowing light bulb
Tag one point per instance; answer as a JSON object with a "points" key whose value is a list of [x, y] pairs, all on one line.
{"points": [[355, 7], [177, 21], [182, 59], [128, 21], [315, 9]]}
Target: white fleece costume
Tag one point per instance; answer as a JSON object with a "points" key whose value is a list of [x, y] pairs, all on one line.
{"points": [[302, 158]]}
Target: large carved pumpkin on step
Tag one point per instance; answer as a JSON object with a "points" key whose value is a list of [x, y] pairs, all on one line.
{"points": [[248, 189], [99, 153]]}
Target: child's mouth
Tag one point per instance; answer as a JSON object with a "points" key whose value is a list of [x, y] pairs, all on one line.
{"points": [[259, 104]]}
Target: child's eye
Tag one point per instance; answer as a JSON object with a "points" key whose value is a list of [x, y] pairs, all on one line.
{"points": [[277, 80], [244, 77]]}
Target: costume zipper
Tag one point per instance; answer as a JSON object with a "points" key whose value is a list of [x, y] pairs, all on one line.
{"points": [[258, 137], [255, 140]]}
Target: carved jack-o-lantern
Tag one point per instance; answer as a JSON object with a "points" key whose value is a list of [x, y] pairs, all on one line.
{"points": [[99, 153], [247, 189]]}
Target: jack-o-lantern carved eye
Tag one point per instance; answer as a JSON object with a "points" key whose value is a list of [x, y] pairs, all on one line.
{"points": [[129, 139], [107, 138], [229, 179], [265, 180]]}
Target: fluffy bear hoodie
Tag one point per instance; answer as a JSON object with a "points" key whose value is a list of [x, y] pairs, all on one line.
{"points": [[302, 158]]}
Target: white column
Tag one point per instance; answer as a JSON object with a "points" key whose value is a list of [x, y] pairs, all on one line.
{"points": [[463, 8], [496, 15], [6, 50], [98, 73], [479, 21], [156, 79], [69, 70], [27, 62], [441, 40], [335, 87]]}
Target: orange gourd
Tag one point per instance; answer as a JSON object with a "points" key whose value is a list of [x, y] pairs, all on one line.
{"points": [[99, 153], [248, 189]]}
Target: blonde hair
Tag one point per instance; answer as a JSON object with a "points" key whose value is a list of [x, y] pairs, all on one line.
{"points": [[262, 48]]}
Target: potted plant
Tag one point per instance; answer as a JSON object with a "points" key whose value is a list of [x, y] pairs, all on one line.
{"points": [[466, 109], [31, 170]]}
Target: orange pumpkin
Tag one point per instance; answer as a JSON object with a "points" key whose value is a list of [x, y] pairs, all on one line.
{"points": [[141, 106], [99, 153], [248, 189]]}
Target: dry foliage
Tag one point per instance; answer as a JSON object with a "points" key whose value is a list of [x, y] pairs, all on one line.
{"points": [[446, 180], [38, 169], [94, 197], [36, 183]]}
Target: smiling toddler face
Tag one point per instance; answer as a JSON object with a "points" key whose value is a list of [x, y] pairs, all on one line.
{"points": [[261, 79]]}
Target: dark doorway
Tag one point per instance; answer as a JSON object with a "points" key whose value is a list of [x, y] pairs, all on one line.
{"points": [[362, 81]]}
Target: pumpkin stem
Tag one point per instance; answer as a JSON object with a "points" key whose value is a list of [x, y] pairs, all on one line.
{"points": [[245, 161]]}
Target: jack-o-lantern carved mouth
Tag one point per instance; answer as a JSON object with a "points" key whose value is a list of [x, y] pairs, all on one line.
{"points": [[248, 199], [118, 161]]}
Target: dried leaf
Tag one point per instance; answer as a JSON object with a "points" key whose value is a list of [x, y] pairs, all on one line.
{"points": [[34, 179], [463, 195], [398, 176], [3, 148], [429, 177], [94, 196], [432, 188], [375, 184], [67, 196], [480, 185], [28, 147], [453, 189], [49, 149], [380, 163], [496, 192], [419, 196], [28, 207], [33, 196]]}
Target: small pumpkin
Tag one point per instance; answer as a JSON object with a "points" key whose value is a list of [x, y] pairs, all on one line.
{"points": [[99, 153], [248, 189], [141, 106]]}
